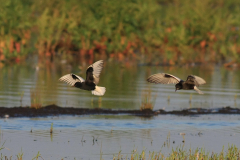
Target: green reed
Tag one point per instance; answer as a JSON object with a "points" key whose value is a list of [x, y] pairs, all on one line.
{"points": [[178, 153], [20, 155], [166, 32], [148, 101], [51, 129], [35, 99]]}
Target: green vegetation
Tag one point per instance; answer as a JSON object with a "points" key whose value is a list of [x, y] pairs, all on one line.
{"points": [[20, 156], [232, 153], [162, 31], [148, 101], [37, 156], [51, 129], [179, 153], [35, 99]]}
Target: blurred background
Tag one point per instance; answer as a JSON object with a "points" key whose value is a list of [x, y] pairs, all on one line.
{"points": [[153, 31]]}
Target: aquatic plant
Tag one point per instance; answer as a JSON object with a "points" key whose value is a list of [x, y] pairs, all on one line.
{"points": [[20, 155], [179, 153], [148, 101], [35, 99], [37, 156], [2, 147], [21, 94], [119, 156], [51, 129], [101, 153]]}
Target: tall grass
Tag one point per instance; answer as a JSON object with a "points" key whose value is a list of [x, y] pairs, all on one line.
{"points": [[160, 31]]}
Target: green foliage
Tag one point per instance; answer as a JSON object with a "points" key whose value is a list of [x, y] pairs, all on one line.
{"points": [[166, 31], [37, 156], [15, 25]]}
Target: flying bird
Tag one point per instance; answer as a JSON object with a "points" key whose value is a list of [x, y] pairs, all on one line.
{"points": [[192, 81], [92, 79]]}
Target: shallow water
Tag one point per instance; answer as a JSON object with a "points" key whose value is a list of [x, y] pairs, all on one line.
{"points": [[73, 135], [125, 85]]}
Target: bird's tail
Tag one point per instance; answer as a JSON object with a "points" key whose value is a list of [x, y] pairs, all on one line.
{"points": [[99, 91], [197, 90]]}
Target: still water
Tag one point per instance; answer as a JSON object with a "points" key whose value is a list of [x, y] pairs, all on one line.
{"points": [[92, 137], [22, 85]]}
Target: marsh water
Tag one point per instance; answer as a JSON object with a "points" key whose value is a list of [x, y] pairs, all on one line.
{"points": [[92, 137]]}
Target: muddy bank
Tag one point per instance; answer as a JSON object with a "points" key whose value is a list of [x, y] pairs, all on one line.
{"points": [[53, 110]]}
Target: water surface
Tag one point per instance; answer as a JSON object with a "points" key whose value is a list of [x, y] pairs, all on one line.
{"points": [[89, 137], [92, 137], [23, 85]]}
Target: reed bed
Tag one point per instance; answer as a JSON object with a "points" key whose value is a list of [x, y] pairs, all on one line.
{"points": [[158, 31]]}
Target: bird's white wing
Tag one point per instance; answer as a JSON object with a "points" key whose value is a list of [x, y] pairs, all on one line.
{"points": [[163, 78], [97, 68], [71, 79]]}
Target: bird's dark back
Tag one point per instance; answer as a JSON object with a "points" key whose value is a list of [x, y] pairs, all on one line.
{"points": [[186, 85], [88, 86], [89, 75], [83, 85]]}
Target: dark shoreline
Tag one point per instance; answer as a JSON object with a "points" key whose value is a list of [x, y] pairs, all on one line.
{"points": [[53, 110]]}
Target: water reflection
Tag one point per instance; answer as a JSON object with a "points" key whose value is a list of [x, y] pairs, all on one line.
{"points": [[25, 85]]}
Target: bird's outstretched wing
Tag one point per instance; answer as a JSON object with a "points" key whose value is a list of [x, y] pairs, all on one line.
{"points": [[163, 78], [195, 80], [93, 72], [71, 79]]}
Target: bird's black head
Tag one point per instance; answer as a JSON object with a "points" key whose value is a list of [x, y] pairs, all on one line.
{"points": [[178, 87]]}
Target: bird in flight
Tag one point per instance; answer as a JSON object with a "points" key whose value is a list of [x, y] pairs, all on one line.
{"points": [[191, 83], [92, 79]]}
